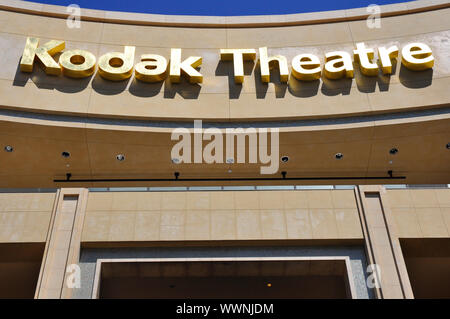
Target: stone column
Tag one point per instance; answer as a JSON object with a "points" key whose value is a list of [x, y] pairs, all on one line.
{"points": [[63, 243], [382, 244]]}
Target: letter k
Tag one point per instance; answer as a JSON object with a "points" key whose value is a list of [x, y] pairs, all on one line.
{"points": [[44, 54], [187, 66]]}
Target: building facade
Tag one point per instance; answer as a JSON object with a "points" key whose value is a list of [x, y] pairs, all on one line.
{"points": [[95, 202]]}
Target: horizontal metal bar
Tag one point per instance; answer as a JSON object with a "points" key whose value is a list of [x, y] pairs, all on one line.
{"points": [[225, 179]]}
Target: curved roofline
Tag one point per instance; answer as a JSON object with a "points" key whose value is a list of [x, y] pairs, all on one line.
{"points": [[222, 22]]}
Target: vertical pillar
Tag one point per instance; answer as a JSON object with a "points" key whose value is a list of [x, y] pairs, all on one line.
{"points": [[63, 243], [382, 244]]}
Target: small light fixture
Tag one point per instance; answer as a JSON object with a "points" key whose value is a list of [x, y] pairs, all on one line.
{"points": [[176, 160], [269, 284], [284, 159], [448, 146], [230, 160], [339, 156], [393, 151], [120, 157], [9, 148], [65, 154]]}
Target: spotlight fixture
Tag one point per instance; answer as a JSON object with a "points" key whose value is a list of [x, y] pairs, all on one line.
{"points": [[448, 146], [269, 284], [339, 156], [120, 157], [9, 148], [285, 159], [65, 154], [393, 151], [176, 160]]}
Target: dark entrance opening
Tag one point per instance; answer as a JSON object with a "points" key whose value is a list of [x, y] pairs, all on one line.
{"points": [[225, 279], [20, 265], [428, 264]]}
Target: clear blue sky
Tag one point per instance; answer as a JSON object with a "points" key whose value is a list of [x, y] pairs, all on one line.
{"points": [[219, 7]]}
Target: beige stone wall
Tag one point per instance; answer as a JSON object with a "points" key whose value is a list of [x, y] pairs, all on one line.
{"points": [[369, 215], [225, 215], [421, 213], [221, 215], [218, 97], [228, 215], [246, 215], [38, 143], [25, 217], [310, 146]]}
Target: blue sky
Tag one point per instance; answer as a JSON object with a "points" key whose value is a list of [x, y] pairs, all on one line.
{"points": [[219, 7]]}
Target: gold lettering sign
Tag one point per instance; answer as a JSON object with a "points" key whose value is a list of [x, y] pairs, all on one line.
{"points": [[306, 67], [187, 67], [386, 56], [77, 63], [417, 57], [118, 66], [238, 56], [365, 56], [265, 62], [44, 53], [338, 64], [152, 68]]}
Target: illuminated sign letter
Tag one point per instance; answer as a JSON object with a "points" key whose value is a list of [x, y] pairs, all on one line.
{"points": [[265, 62], [187, 66], [152, 68], [417, 57], [77, 63], [117, 66], [385, 56], [238, 56], [44, 54], [306, 67], [338, 64], [364, 56]]}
